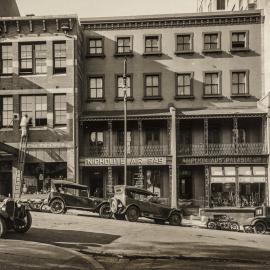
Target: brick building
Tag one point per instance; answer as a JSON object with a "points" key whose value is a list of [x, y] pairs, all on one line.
{"points": [[39, 76]]}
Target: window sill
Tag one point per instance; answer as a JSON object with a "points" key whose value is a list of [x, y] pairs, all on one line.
{"points": [[59, 74], [212, 51], [124, 54], [184, 97], [183, 52], [33, 74], [96, 100], [122, 99], [159, 98], [212, 96], [235, 50], [240, 95], [97, 55], [152, 54]]}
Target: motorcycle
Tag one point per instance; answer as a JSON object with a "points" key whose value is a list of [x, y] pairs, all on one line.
{"points": [[14, 216], [223, 222]]}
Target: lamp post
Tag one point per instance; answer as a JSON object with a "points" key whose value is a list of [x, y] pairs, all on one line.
{"points": [[125, 119]]}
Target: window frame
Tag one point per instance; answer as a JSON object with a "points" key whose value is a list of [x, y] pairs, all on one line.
{"points": [[59, 70], [247, 93], [117, 53], [219, 95], [246, 48], [157, 53], [89, 54], [191, 50], [157, 97], [117, 97], [177, 96], [214, 50], [2, 60], [96, 76], [10, 120], [54, 110], [219, 3]]}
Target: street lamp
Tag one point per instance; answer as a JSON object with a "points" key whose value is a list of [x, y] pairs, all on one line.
{"points": [[125, 119]]}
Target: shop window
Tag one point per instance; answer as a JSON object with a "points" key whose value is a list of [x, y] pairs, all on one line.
{"points": [[7, 111], [6, 58], [36, 109], [60, 109], [153, 181], [59, 57], [223, 194], [251, 194]]}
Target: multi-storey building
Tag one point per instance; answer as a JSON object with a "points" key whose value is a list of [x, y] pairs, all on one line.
{"points": [[197, 130], [39, 76], [9, 8]]}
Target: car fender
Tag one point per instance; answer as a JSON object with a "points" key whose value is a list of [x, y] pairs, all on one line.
{"points": [[178, 211], [255, 220]]}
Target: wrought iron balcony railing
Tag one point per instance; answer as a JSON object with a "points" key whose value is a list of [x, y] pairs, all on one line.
{"points": [[98, 151], [222, 149]]}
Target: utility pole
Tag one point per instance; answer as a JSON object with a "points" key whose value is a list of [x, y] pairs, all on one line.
{"points": [[125, 119]]}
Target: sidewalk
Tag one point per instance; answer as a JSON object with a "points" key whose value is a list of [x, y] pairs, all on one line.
{"points": [[24, 255]]}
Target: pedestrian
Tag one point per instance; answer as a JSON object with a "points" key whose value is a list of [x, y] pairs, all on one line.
{"points": [[24, 125]]}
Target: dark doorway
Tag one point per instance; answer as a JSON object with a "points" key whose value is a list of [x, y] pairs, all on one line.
{"points": [[96, 183], [185, 185], [6, 183]]}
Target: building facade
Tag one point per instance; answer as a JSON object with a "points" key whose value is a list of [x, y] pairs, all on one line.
{"points": [[40, 77], [197, 127]]}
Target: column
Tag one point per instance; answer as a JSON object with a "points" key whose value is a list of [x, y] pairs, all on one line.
{"points": [[169, 129], [110, 138], [109, 186], [237, 189], [235, 134], [205, 135], [264, 135], [207, 187], [140, 150], [139, 182], [174, 161], [267, 187]]}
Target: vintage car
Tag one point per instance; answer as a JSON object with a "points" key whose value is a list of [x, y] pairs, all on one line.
{"points": [[131, 203], [13, 216], [66, 195], [260, 223]]}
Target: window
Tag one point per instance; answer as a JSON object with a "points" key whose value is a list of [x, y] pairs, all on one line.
{"points": [[220, 4], [239, 83], [124, 45], [33, 58], [213, 136], [184, 84], [239, 41], [7, 111], [211, 42], [96, 87], [60, 109], [96, 138], [184, 43], [59, 57], [36, 109], [152, 136], [120, 86], [96, 46], [242, 135], [6, 59], [152, 85], [152, 44], [212, 84]]}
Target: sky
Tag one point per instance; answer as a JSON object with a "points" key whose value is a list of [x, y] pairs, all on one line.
{"points": [[105, 8]]}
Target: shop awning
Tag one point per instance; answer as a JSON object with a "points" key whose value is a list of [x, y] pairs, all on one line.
{"points": [[7, 150]]}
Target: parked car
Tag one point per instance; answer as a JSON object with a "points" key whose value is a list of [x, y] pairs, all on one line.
{"points": [[223, 222], [260, 223], [66, 195], [132, 202], [13, 216]]}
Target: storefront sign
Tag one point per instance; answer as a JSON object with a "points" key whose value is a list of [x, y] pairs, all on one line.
{"points": [[121, 161], [246, 179], [222, 160]]}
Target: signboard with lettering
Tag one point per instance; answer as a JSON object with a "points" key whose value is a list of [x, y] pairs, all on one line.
{"points": [[221, 160], [120, 161]]}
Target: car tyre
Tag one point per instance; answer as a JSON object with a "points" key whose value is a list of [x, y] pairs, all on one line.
{"points": [[260, 227], [3, 227], [22, 226], [132, 214], [105, 211], [57, 206], [175, 219], [159, 221], [212, 225], [119, 216]]}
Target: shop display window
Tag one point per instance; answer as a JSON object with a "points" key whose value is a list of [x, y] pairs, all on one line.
{"points": [[223, 194], [251, 194]]}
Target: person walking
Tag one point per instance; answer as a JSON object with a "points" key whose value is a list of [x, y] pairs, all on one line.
{"points": [[24, 125]]}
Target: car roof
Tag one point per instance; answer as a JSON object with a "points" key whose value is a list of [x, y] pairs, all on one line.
{"points": [[137, 189], [68, 183]]}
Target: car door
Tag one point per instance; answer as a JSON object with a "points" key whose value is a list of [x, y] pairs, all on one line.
{"points": [[158, 210]]}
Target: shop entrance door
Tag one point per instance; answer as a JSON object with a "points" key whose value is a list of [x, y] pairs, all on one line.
{"points": [[96, 184], [185, 187]]}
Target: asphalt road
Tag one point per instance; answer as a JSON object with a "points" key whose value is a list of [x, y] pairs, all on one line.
{"points": [[145, 245]]}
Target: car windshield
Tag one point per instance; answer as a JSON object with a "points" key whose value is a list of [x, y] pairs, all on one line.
{"points": [[77, 191], [139, 196]]}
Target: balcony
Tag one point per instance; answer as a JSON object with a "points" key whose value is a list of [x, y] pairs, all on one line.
{"points": [[245, 149], [132, 151]]}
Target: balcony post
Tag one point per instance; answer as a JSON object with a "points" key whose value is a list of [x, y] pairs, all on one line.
{"points": [[110, 138], [169, 131], [205, 135], [264, 135], [109, 189], [140, 137], [235, 135], [207, 186], [237, 188]]}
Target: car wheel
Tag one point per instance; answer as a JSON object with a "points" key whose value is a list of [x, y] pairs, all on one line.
{"points": [[175, 219], [23, 225], [3, 227], [57, 206], [260, 227], [119, 216], [159, 221], [132, 214], [105, 211], [235, 227], [212, 225]]}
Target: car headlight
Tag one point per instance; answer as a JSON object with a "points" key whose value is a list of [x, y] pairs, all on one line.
{"points": [[3, 207]]}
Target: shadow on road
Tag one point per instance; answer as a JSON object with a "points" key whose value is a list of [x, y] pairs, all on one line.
{"points": [[65, 238]]}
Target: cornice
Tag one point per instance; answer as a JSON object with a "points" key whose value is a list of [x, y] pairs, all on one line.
{"points": [[173, 22]]}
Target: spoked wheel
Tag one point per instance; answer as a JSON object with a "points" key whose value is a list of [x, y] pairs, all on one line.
{"points": [[260, 227], [132, 214], [175, 219], [57, 206], [119, 216], [105, 211], [22, 225], [211, 225], [235, 227], [3, 227]]}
